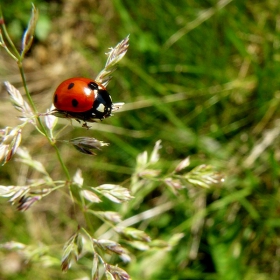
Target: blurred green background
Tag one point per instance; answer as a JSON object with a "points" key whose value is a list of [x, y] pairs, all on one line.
{"points": [[202, 76]]}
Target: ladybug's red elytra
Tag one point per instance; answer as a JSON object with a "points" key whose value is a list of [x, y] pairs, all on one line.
{"points": [[83, 99]]}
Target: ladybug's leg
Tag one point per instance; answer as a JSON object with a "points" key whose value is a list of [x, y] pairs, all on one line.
{"points": [[86, 126]]}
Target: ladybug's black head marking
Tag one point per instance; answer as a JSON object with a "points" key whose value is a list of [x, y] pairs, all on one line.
{"points": [[75, 103], [92, 85], [70, 85], [55, 99], [106, 97], [102, 105]]}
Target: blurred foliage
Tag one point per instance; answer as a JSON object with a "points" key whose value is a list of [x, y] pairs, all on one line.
{"points": [[202, 76]]}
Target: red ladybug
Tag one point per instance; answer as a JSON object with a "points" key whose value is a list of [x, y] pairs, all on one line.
{"points": [[82, 99]]}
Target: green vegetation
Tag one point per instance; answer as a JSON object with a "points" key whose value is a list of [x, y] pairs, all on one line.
{"points": [[202, 77]]}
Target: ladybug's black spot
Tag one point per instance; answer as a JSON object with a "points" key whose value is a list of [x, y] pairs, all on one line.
{"points": [[55, 99], [70, 85], [75, 102], [92, 85]]}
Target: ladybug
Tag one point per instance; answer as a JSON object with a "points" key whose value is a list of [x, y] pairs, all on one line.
{"points": [[83, 99]]}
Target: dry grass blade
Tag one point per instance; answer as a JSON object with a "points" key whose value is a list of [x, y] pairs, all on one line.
{"points": [[27, 201], [135, 234], [87, 144], [90, 196], [69, 253], [204, 176], [15, 96], [25, 158], [116, 273], [78, 178], [2, 43], [155, 153], [117, 106], [94, 270], [29, 33], [183, 164], [109, 246], [18, 102], [50, 120], [9, 144], [114, 56], [109, 275], [115, 193], [108, 216], [195, 23]]}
